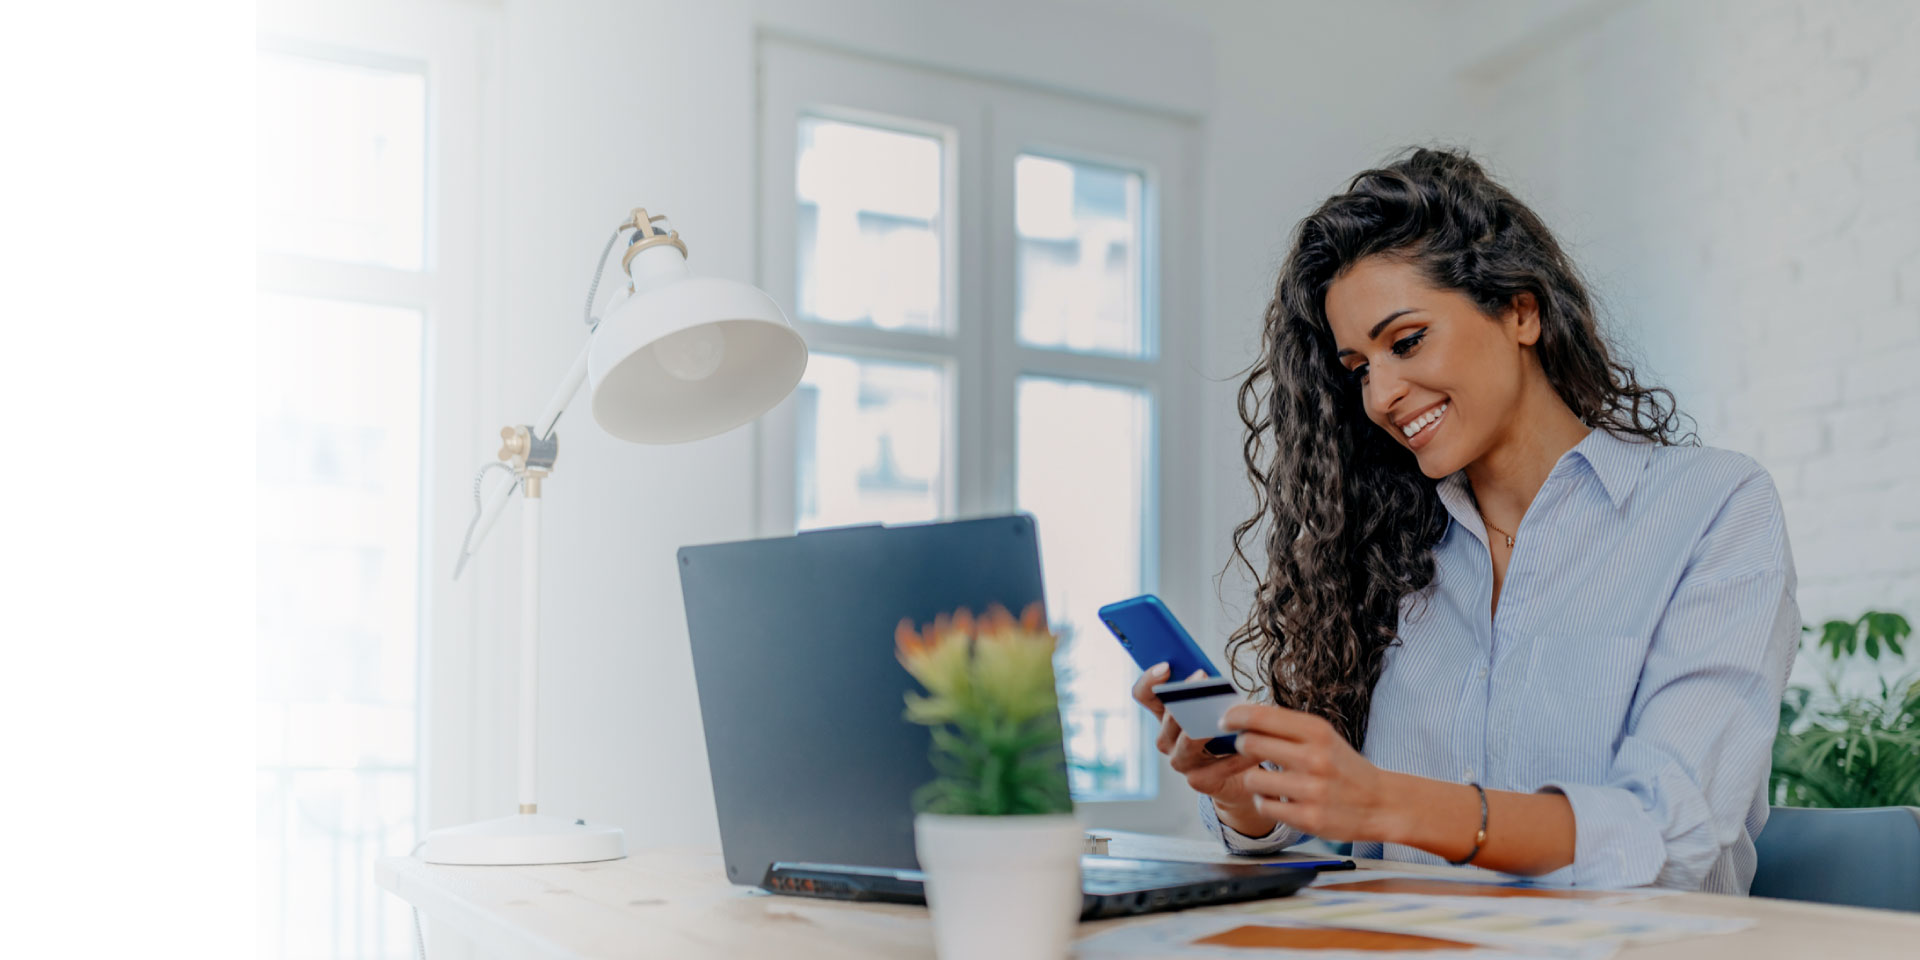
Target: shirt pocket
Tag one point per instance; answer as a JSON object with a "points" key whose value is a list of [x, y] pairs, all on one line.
{"points": [[1573, 708]]}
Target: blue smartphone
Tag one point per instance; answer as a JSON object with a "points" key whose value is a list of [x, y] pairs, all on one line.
{"points": [[1148, 630], [1151, 635]]}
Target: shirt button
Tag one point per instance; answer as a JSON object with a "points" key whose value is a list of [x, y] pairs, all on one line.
{"points": [[1483, 673], [1468, 775]]}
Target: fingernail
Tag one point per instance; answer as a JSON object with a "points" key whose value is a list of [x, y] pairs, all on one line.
{"points": [[1159, 669], [1197, 674]]}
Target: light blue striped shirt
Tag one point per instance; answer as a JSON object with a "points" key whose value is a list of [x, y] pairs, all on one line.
{"points": [[1643, 638]]}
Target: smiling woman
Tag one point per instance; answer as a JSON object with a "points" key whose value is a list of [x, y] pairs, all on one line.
{"points": [[1435, 417]]}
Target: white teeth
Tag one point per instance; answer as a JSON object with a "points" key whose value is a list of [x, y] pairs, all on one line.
{"points": [[1423, 421]]}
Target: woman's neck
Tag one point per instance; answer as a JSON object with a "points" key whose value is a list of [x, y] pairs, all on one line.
{"points": [[1505, 480]]}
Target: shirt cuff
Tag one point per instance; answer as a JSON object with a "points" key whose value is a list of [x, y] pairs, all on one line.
{"points": [[1615, 844], [1236, 842]]}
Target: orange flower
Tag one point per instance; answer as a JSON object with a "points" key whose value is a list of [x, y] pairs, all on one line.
{"points": [[906, 640]]}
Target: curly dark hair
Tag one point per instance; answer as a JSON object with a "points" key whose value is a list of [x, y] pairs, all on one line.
{"points": [[1347, 520]]}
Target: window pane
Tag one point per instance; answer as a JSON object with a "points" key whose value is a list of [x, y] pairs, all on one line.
{"points": [[342, 161], [338, 480], [870, 226], [1078, 257], [1083, 453], [871, 442]]}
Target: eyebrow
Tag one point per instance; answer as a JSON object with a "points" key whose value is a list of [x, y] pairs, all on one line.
{"points": [[1382, 325]]}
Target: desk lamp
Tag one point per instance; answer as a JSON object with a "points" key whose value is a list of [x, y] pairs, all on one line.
{"points": [[676, 358]]}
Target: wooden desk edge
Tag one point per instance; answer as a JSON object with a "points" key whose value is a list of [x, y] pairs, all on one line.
{"points": [[434, 889]]}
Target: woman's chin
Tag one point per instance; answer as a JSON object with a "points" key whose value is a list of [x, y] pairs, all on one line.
{"points": [[1435, 463]]}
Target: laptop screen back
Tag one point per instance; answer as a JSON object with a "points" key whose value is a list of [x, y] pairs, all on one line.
{"points": [[800, 694]]}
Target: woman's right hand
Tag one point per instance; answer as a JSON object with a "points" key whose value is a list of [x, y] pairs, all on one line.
{"points": [[1222, 777]]}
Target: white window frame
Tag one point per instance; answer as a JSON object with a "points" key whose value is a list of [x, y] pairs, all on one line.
{"points": [[985, 124], [452, 43]]}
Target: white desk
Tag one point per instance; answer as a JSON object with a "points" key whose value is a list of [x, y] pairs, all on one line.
{"points": [[678, 903]]}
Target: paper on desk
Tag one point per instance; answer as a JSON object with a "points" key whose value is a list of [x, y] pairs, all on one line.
{"points": [[1222, 935], [1561, 927], [1388, 881], [1464, 926]]}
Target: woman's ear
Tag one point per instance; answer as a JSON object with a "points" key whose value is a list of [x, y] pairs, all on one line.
{"points": [[1526, 315]]}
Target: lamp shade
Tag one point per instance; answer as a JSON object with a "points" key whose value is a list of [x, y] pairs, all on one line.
{"points": [[683, 357]]}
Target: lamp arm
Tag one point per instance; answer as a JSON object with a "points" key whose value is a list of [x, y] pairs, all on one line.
{"points": [[569, 385], [488, 512]]}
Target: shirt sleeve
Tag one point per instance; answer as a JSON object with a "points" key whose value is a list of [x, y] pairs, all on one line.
{"points": [[1281, 838], [1699, 736]]}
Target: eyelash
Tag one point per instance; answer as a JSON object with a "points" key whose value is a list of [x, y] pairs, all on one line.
{"points": [[1401, 347]]}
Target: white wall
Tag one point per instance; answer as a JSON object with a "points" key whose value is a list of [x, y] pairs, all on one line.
{"points": [[1742, 181], [609, 103], [1305, 96], [1608, 117]]}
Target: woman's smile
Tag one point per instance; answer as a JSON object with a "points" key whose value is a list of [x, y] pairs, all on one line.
{"points": [[1419, 431]]}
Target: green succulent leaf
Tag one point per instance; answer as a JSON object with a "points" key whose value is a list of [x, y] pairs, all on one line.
{"points": [[993, 715]]}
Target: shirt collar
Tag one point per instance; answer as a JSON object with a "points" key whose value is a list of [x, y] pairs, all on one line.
{"points": [[1616, 462]]}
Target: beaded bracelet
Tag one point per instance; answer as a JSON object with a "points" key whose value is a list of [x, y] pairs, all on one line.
{"points": [[1479, 839]]}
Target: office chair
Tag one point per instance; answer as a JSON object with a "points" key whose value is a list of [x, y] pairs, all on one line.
{"points": [[1868, 857]]}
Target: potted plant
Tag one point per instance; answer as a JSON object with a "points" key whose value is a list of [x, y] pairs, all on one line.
{"points": [[997, 839], [1844, 748]]}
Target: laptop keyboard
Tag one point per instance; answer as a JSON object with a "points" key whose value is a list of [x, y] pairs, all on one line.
{"points": [[1145, 874]]}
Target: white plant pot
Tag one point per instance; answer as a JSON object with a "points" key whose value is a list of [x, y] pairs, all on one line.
{"points": [[1001, 888]]}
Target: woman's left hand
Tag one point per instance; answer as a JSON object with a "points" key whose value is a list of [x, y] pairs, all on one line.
{"points": [[1324, 786]]}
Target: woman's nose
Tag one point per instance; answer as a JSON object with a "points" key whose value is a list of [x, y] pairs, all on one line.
{"points": [[1383, 391]]}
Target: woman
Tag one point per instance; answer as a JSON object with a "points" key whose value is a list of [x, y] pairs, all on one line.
{"points": [[1556, 629]]}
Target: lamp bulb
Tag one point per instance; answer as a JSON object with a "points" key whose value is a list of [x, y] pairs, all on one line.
{"points": [[692, 354]]}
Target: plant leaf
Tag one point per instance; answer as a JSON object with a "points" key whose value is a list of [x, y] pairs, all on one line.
{"points": [[1840, 637]]}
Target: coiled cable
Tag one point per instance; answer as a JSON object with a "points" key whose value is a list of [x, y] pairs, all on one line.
{"points": [[479, 507]]}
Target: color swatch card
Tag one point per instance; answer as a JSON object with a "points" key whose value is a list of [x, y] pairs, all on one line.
{"points": [[1227, 935], [1329, 924], [1532, 924]]}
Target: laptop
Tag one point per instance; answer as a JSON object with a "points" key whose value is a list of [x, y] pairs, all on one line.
{"points": [[813, 764]]}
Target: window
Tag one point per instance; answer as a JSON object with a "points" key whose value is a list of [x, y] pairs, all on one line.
{"points": [[342, 161], [977, 270], [367, 128], [871, 226], [868, 438], [338, 606]]}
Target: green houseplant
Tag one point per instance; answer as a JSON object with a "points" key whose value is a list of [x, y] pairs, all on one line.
{"points": [[1843, 748], [997, 840]]}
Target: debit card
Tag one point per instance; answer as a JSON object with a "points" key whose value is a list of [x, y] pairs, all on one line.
{"points": [[1199, 705]]}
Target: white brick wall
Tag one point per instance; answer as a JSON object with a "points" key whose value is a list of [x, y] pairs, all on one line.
{"points": [[1742, 181]]}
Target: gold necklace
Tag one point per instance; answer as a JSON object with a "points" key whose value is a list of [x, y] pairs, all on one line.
{"points": [[1483, 519], [1509, 536]]}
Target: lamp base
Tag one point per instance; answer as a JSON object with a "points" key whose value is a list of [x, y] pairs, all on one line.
{"points": [[525, 838]]}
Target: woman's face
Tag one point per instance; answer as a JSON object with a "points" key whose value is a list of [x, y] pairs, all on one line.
{"points": [[1428, 361]]}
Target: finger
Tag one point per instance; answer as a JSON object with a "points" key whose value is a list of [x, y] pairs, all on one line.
{"points": [[1277, 722], [1287, 784], [1200, 765], [1143, 688], [1183, 756], [1287, 754], [1218, 772], [1169, 735], [1188, 753], [1198, 675], [1304, 817]]}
